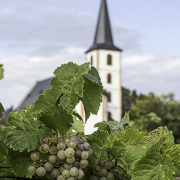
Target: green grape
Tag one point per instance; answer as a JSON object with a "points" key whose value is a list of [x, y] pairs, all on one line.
{"points": [[84, 155], [81, 139], [67, 141], [93, 177], [61, 161], [103, 178], [110, 176], [103, 172], [71, 178], [67, 166], [60, 178], [61, 155], [53, 150], [86, 146], [44, 141], [72, 144], [48, 166], [76, 164], [70, 160], [69, 152], [52, 159], [35, 156], [108, 164], [61, 146], [66, 173], [53, 139], [77, 153], [90, 152], [96, 169], [40, 172], [83, 163], [73, 138], [81, 147], [32, 170], [44, 148], [80, 175], [61, 169], [74, 171], [55, 173]]}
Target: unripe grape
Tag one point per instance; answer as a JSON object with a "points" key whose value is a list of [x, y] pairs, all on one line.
{"points": [[110, 176], [73, 138], [40, 172], [81, 139], [93, 177], [96, 169], [66, 173], [44, 148], [76, 164], [35, 156], [69, 152], [48, 166], [55, 173], [83, 163], [53, 139], [70, 160], [84, 155], [74, 171], [32, 170], [108, 164], [60, 178], [77, 153], [90, 151], [52, 159], [72, 144], [71, 178], [61, 155], [80, 175], [67, 166], [53, 150], [67, 141], [44, 141], [62, 161], [81, 147], [61, 146], [103, 178], [87, 146], [104, 172], [61, 169]]}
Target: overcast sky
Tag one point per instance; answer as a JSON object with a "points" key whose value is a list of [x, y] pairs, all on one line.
{"points": [[36, 36]]}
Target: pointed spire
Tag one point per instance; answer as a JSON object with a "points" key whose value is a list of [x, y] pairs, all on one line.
{"points": [[103, 36]]}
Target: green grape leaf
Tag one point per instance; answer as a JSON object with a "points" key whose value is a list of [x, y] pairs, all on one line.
{"points": [[20, 162], [51, 113], [78, 125], [99, 143], [92, 97], [93, 76], [102, 126], [174, 153], [115, 125], [27, 130], [1, 111], [1, 72], [69, 79], [153, 166]]}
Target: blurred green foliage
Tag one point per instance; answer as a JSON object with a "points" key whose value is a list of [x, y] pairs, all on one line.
{"points": [[150, 111]]}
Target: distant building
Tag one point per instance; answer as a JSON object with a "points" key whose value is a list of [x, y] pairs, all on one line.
{"points": [[106, 58]]}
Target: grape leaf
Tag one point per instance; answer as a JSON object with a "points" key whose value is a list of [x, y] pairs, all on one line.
{"points": [[20, 162], [153, 166], [27, 130], [78, 125], [99, 143], [51, 113], [69, 79], [92, 97], [1, 72], [115, 125], [1, 111]]}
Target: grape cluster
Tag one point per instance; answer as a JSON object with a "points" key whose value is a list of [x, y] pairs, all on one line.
{"points": [[61, 158], [103, 171]]}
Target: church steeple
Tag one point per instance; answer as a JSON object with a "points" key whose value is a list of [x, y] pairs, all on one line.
{"points": [[103, 36]]}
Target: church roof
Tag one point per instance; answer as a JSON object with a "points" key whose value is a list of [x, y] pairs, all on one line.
{"points": [[103, 36], [38, 89]]}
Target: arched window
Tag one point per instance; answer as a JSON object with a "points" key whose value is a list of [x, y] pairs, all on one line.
{"points": [[109, 78], [109, 59], [109, 97], [91, 61]]}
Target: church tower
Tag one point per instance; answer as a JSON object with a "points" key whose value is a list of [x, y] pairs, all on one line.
{"points": [[106, 58]]}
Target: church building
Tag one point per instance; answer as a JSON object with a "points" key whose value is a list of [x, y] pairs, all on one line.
{"points": [[106, 58]]}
